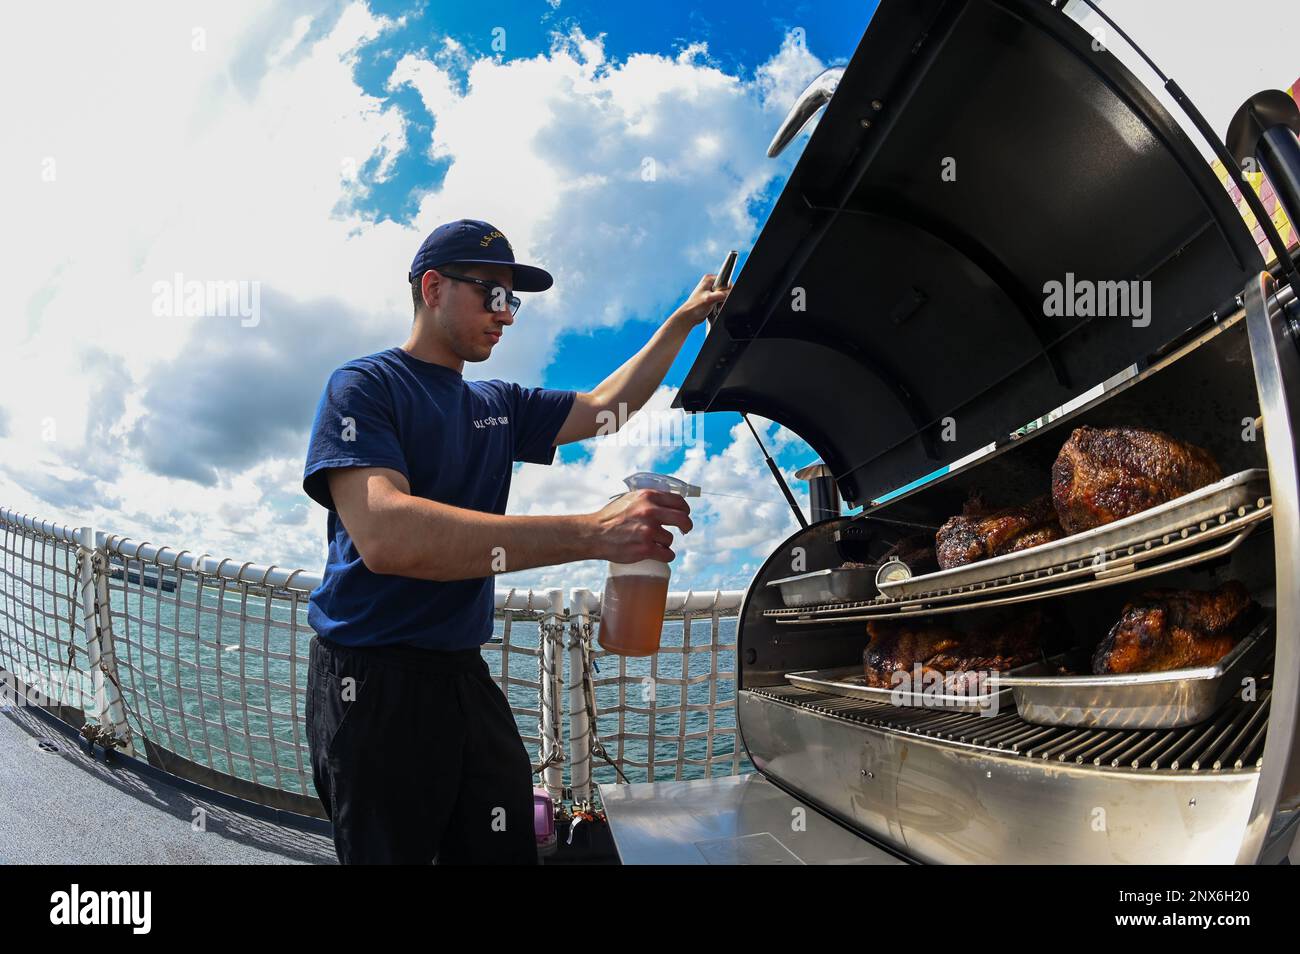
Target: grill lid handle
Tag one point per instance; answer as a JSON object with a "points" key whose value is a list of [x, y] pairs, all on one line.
{"points": [[816, 95]]}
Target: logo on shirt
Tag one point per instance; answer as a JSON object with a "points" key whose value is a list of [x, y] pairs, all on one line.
{"points": [[483, 422]]}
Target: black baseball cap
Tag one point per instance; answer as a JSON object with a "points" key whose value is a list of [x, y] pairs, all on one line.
{"points": [[473, 242]]}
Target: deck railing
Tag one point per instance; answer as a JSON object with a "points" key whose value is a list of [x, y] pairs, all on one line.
{"points": [[198, 664]]}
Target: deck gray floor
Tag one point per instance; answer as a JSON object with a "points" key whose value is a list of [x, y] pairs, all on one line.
{"points": [[64, 807]]}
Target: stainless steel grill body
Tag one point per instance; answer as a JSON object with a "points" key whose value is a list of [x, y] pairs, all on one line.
{"points": [[924, 366]]}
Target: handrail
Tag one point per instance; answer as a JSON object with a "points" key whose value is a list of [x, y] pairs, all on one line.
{"points": [[198, 663]]}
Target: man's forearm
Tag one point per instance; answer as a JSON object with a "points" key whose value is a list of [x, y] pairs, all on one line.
{"points": [[636, 379], [427, 540]]}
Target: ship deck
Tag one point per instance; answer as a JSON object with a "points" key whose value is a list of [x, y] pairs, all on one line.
{"points": [[64, 807], [61, 806]]}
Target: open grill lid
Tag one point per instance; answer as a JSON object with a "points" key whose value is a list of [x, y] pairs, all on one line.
{"points": [[924, 333]]}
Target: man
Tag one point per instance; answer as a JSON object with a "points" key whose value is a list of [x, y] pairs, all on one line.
{"points": [[415, 753]]}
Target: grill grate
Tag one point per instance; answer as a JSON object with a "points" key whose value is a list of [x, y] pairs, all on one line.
{"points": [[1232, 741], [1168, 549]]}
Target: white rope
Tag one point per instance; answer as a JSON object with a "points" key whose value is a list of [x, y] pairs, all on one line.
{"points": [[205, 658]]}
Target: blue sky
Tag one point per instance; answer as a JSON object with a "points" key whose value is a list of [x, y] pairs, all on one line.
{"points": [[740, 37]]}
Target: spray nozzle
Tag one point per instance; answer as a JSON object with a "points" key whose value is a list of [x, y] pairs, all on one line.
{"points": [[644, 480]]}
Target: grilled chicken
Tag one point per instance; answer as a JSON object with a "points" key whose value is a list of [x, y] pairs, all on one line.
{"points": [[1105, 474], [1175, 629], [958, 658], [978, 534]]}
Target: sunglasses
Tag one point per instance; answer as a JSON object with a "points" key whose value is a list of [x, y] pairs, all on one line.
{"points": [[496, 296]]}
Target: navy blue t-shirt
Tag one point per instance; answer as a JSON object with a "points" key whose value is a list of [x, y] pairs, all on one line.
{"points": [[455, 440]]}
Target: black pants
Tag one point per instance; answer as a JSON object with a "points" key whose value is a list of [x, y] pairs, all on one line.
{"points": [[416, 757]]}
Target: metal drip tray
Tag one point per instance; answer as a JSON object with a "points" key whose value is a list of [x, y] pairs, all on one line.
{"points": [[836, 585], [1147, 700], [850, 682]]}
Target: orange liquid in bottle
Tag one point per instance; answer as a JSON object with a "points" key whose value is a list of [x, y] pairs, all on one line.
{"points": [[632, 614]]}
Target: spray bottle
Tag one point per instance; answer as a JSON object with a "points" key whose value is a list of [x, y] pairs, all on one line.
{"points": [[636, 594]]}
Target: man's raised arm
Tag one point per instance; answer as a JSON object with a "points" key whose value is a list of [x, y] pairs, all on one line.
{"points": [[623, 393]]}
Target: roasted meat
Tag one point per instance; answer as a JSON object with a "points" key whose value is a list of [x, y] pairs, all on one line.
{"points": [[1010, 641], [1175, 629], [1105, 474], [978, 533], [900, 645], [1004, 644]]}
